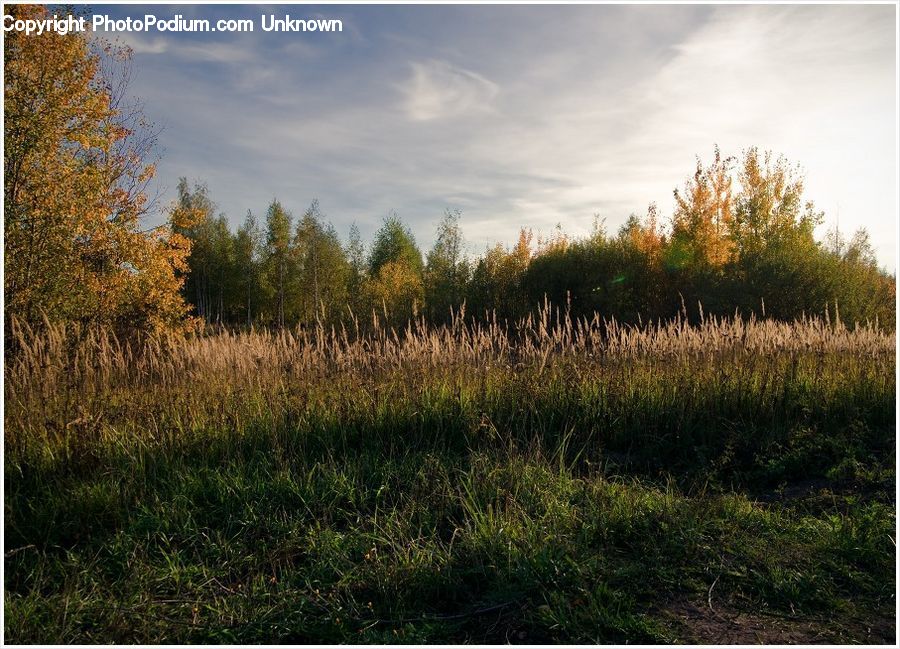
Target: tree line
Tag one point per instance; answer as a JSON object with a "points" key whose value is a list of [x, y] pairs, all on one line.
{"points": [[741, 239], [78, 162]]}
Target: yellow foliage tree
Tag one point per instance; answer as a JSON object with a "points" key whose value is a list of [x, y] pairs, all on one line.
{"points": [[770, 208], [396, 291], [75, 176], [646, 236], [558, 241], [703, 218]]}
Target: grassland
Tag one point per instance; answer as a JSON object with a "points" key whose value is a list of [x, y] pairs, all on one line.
{"points": [[556, 481]]}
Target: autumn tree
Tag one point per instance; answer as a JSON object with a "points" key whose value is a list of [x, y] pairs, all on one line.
{"points": [[556, 241], [646, 235], [769, 208], [703, 221], [395, 293], [76, 167], [700, 245]]}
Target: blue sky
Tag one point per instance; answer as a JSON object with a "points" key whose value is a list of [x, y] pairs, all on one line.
{"points": [[521, 115]]}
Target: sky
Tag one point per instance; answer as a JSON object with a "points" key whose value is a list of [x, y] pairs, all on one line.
{"points": [[532, 116]]}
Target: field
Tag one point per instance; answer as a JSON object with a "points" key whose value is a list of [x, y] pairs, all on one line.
{"points": [[557, 481]]}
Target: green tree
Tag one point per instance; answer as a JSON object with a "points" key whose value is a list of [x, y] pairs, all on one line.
{"points": [[394, 283], [498, 286], [446, 269], [247, 245], [210, 281], [395, 243], [322, 268], [356, 256], [619, 276], [224, 280], [278, 258]]}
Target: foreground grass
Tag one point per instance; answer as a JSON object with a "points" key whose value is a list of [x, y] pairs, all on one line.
{"points": [[453, 486]]}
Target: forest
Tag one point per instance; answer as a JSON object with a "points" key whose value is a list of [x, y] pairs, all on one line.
{"points": [[680, 431], [740, 241]]}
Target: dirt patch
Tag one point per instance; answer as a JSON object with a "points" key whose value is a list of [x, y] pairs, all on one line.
{"points": [[825, 495], [699, 624]]}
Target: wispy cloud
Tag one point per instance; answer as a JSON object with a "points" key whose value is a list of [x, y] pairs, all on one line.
{"points": [[219, 51], [425, 108], [142, 44], [437, 89]]}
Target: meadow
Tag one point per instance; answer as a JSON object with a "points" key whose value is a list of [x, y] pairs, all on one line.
{"points": [[559, 480]]}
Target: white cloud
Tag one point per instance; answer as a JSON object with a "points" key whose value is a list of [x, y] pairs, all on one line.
{"points": [[213, 51], [813, 83], [605, 116], [141, 44], [437, 89]]}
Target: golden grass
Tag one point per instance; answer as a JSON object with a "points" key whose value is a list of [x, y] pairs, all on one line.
{"points": [[66, 381]]}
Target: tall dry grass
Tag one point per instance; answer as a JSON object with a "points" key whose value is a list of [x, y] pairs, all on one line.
{"points": [[61, 357], [72, 385]]}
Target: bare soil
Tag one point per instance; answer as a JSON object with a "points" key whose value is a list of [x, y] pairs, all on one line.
{"points": [[696, 623]]}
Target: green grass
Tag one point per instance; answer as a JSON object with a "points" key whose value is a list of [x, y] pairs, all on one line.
{"points": [[563, 500]]}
